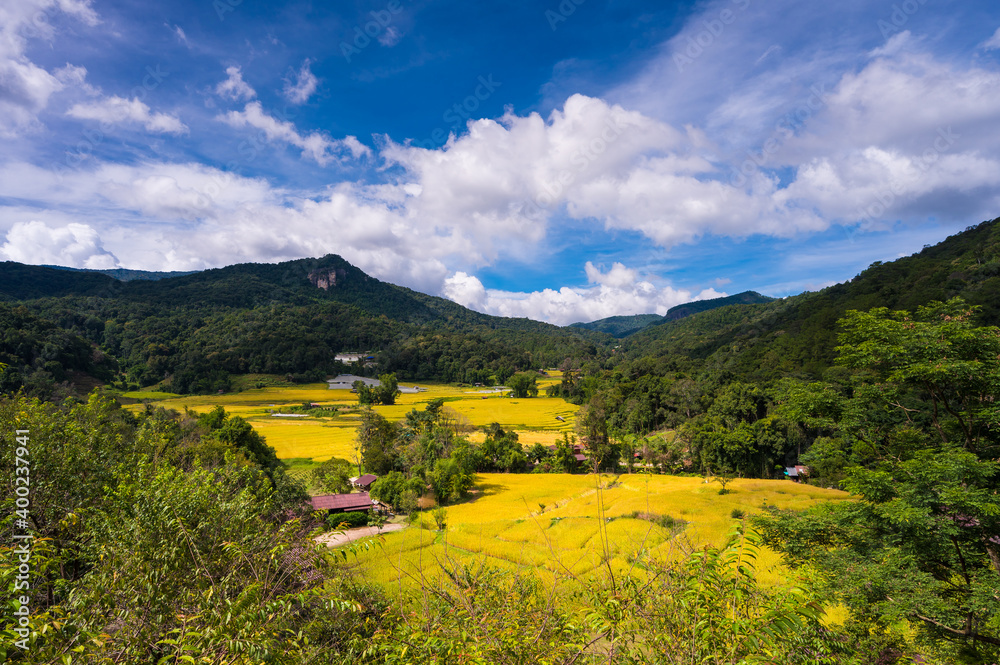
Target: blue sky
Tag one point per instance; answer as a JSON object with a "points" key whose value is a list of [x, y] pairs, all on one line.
{"points": [[564, 161]]}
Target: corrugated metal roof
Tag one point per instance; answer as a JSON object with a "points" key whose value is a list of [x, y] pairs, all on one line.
{"points": [[366, 479], [342, 502]]}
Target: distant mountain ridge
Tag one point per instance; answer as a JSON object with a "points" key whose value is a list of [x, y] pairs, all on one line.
{"points": [[798, 335], [623, 326], [620, 326], [687, 309], [191, 333], [127, 274]]}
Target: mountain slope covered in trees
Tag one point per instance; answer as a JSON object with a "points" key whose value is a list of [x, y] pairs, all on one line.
{"points": [[193, 332], [687, 309]]}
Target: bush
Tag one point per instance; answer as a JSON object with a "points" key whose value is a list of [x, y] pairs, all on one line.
{"points": [[351, 520], [665, 521]]}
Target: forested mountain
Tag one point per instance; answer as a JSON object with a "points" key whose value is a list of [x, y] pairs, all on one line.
{"points": [[673, 373], [23, 282], [687, 309], [798, 335], [621, 326], [127, 275], [290, 318]]}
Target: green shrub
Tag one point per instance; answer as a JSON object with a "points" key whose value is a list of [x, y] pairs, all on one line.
{"points": [[351, 520]]}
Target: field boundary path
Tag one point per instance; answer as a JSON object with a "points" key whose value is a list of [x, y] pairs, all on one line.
{"points": [[338, 538]]}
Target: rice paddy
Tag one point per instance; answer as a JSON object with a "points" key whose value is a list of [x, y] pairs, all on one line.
{"points": [[568, 526], [320, 437], [558, 526]]}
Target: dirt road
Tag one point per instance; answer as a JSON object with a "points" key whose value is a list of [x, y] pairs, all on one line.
{"points": [[344, 537]]}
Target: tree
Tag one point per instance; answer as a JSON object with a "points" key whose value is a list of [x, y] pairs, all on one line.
{"points": [[501, 451], [333, 476], [440, 516], [920, 544], [366, 394], [538, 452], [388, 389], [449, 480], [394, 489], [377, 443], [184, 565], [523, 384], [384, 393], [592, 424], [565, 457]]}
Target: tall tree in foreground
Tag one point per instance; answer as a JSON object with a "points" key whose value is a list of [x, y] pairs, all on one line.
{"points": [[922, 542]]}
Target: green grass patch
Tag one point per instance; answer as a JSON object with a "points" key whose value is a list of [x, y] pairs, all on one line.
{"points": [[150, 395]]}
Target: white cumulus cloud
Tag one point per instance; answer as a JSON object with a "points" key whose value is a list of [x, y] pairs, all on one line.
{"points": [[74, 246], [25, 87], [316, 146], [305, 84], [117, 110], [234, 87], [618, 292]]}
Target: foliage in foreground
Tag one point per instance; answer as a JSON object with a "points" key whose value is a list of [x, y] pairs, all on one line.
{"points": [[140, 560], [921, 437], [701, 607]]}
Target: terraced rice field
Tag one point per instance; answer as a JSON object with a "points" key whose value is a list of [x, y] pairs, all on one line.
{"points": [[505, 525], [319, 438]]}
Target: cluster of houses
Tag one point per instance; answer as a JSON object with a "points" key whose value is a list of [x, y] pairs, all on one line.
{"points": [[353, 502]]}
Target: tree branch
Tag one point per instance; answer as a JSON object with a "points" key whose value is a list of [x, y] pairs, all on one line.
{"points": [[961, 633]]}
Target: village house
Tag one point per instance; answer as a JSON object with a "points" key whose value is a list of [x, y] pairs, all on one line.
{"points": [[348, 503], [797, 473], [364, 482]]}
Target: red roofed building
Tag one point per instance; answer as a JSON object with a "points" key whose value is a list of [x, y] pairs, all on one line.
{"points": [[365, 481], [342, 503]]}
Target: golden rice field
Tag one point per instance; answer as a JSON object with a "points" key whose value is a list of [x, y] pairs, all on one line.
{"points": [[536, 420], [505, 525]]}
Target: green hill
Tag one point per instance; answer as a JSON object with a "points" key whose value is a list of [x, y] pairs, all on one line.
{"points": [[24, 282], [620, 326], [195, 331], [623, 326], [687, 309], [798, 335]]}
